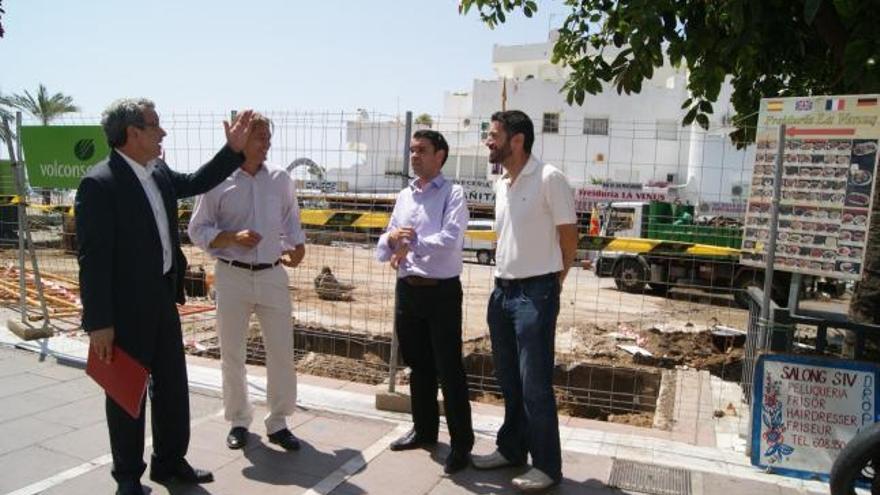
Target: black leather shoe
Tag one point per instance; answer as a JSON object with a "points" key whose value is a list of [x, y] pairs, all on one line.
{"points": [[285, 439], [410, 441], [130, 488], [181, 473], [455, 462], [237, 438]]}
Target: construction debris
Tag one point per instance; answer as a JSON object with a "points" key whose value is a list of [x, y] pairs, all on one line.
{"points": [[330, 289]]}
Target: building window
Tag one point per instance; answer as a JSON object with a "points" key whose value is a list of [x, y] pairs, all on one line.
{"points": [[484, 131], [596, 127], [551, 123], [667, 129]]}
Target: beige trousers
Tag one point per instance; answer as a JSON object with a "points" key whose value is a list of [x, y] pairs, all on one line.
{"points": [[240, 293]]}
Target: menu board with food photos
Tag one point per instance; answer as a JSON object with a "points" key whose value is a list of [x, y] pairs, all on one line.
{"points": [[829, 167]]}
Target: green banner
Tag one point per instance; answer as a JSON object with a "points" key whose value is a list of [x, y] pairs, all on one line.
{"points": [[7, 178], [58, 156]]}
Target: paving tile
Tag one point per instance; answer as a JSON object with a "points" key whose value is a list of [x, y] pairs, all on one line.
{"points": [[97, 481], [343, 431], [28, 431], [22, 382], [75, 414], [714, 484], [244, 476], [72, 390], [32, 464], [27, 404], [59, 371], [15, 361], [313, 459], [85, 443], [409, 472], [201, 405]]}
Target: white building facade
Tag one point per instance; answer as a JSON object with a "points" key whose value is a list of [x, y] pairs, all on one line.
{"points": [[611, 143]]}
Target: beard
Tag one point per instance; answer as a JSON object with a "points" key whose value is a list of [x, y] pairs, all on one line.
{"points": [[498, 155]]}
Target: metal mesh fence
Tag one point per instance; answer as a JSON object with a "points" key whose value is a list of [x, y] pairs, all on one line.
{"points": [[628, 310]]}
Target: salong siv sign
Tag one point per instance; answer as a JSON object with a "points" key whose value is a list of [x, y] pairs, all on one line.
{"points": [[805, 410], [59, 156]]}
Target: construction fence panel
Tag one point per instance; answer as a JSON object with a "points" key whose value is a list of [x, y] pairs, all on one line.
{"points": [[619, 336]]}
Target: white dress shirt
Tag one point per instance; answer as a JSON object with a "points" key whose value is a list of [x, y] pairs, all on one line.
{"points": [[154, 196], [265, 203]]}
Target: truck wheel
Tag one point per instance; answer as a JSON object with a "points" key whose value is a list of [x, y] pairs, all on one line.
{"points": [[630, 276], [484, 257], [857, 462]]}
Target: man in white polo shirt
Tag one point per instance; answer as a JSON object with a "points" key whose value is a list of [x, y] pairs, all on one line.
{"points": [[535, 223]]}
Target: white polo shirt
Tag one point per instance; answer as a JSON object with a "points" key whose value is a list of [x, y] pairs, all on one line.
{"points": [[526, 216]]}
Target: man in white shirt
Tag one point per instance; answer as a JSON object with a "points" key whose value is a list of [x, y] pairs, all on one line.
{"points": [[250, 224], [535, 224]]}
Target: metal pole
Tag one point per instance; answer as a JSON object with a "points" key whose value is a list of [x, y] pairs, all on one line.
{"points": [[29, 242], [392, 360], [794, 292], [407, 135], [22, 217], [770, 258]]}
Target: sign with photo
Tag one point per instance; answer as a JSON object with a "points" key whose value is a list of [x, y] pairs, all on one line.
{"points": [[829, 167], [806, 409]]}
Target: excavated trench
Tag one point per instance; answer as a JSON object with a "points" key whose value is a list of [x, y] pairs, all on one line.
{"points": [[583, 389]]}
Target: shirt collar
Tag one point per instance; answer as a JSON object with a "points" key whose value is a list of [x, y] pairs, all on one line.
{"points": [[436, 182], [142, 172], [241, 173], [530, 167]]}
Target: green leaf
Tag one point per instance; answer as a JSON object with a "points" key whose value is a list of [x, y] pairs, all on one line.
{"points": [[687, 103], [706, 106], [689, 117], [527, 11], [703, 120]]}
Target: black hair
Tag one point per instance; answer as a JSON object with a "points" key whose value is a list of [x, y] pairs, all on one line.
{"points": [[517, 122], [437, 140]]}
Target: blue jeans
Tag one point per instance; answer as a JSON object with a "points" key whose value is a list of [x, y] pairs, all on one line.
{"points": [[522, 323]]}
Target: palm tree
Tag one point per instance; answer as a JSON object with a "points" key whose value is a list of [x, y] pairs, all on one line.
{"points": [[44, 107], [6, 120]]}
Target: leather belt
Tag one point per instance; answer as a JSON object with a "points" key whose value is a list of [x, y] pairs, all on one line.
{"points": [[416, 281], [511, 282], [248, 266]]}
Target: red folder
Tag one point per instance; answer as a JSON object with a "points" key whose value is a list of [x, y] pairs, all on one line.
{"points": [[124, 379]]}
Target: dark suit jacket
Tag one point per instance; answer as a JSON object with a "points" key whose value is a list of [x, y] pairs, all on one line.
{"points": [[120, 253]]}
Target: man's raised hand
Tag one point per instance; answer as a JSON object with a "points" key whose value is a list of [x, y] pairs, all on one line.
{"points": [[237, 133]]}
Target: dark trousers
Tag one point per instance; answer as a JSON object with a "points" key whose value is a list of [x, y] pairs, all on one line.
{"points": [[522, 324], [428, 325], [169, 401]]}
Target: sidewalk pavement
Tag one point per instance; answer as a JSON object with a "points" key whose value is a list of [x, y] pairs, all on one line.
{"points": [[53, 440]]}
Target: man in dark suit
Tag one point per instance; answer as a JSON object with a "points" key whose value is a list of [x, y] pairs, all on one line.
{"points": [[131, 274]]}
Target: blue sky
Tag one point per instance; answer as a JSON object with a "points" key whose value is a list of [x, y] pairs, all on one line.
{"points": [[216, 55]]}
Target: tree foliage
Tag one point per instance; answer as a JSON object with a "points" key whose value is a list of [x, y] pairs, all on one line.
{"points": [[1, 16], [765, 48], [42, 106], [424, 119]]}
